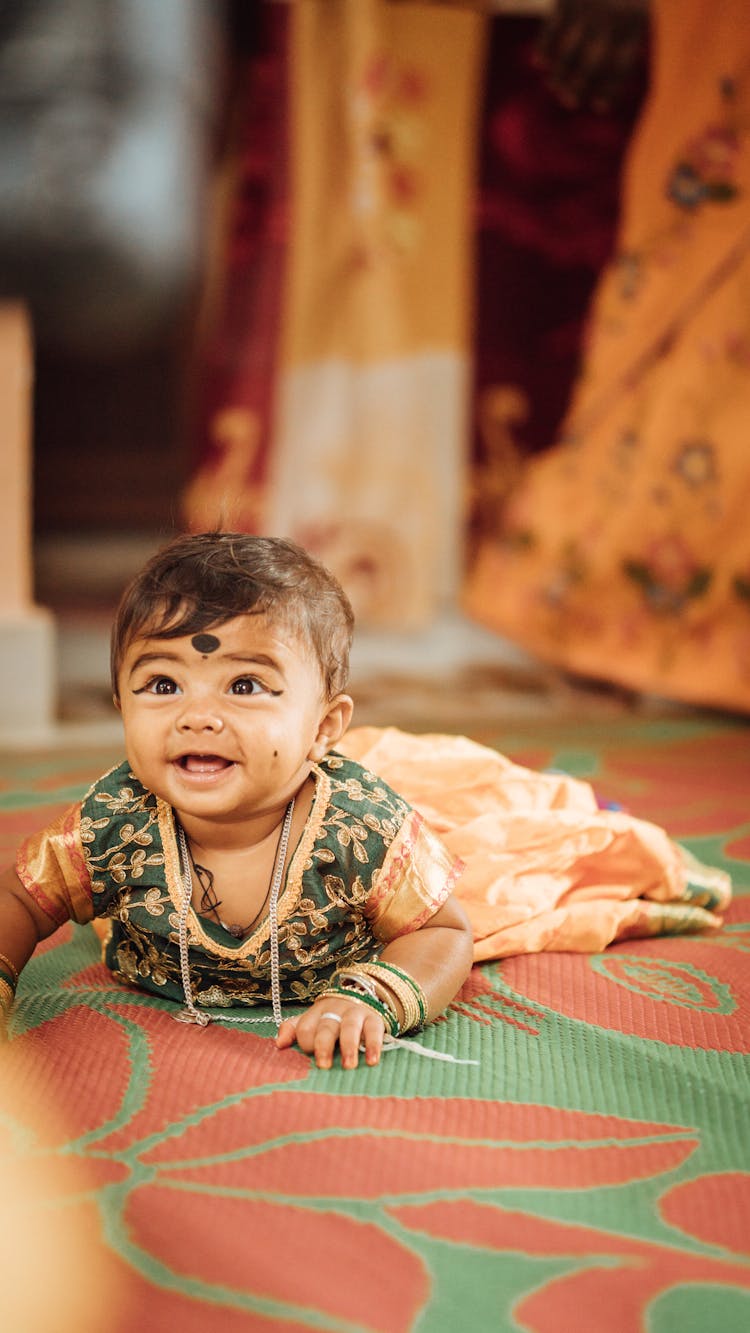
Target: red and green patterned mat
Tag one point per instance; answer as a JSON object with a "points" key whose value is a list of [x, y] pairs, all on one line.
{"points": [[590, 1171]]}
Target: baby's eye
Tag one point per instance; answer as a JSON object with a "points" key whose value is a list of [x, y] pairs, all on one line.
{"points": [[246, 685], [160, 685]]}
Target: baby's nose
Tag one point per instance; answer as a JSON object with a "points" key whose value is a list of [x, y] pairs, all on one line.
{"points": [[200, 715]]}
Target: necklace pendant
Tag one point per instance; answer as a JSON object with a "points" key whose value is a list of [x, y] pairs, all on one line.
{"points": [[187, 1016]]}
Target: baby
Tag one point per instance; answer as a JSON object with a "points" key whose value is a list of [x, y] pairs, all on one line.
{"points": [[236, 858]]}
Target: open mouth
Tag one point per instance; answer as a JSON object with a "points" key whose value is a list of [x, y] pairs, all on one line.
{"points": [[204, 763]]}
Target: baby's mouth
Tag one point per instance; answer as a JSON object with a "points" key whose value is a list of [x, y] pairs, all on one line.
{"points": [[203, 763]]}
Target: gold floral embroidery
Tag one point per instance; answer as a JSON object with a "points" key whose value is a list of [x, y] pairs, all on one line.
{"points": [[154, 902], [106, 838], [129, 833], [121, 867], [89, 828], [121, 801]]}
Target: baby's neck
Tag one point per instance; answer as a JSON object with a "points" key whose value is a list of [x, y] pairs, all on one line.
{"points": [[216, 837], [211, 838]]}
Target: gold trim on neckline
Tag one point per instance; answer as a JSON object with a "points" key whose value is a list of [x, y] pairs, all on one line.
{"points": [[291, 890]]}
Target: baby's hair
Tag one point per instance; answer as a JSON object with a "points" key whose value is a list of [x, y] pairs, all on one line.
{"points": [[200, 581]]}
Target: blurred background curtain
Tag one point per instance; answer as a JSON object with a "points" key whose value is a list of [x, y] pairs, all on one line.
{"points": [[409, 228], [624, 552]]}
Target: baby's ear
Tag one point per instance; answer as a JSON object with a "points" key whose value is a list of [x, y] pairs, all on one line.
{"points": [[332, 725]]}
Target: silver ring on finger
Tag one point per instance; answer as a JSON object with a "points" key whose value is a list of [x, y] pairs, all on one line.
{"points": [[336, 1018]]}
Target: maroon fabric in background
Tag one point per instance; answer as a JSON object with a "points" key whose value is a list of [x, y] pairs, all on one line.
{"points": [[546, 214], [237, 363]]}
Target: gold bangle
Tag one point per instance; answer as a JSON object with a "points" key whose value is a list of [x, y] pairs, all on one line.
{"points": [[409, 992], [7, 996], [393, 970], [10, 966]]}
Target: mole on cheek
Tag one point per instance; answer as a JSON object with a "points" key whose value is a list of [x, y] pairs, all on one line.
{"points": [[205, 643]]}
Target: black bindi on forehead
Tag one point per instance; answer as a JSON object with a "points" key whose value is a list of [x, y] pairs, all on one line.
{"points": [[205, 643]]}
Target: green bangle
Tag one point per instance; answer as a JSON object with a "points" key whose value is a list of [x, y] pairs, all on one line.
{"points": [[414, 987], [7, 976], [342, 992]]}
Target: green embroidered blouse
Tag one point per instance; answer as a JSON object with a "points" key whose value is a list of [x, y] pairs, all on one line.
{"points": [[365, 870]]}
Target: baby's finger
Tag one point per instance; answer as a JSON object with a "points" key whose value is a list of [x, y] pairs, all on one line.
{"points": [[350, 1036], [373, 1033], [287, 1033], [326, 1036]]}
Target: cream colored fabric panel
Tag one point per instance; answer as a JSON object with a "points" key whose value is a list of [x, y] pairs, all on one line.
{"points": [[367, 474], [371, 426]]}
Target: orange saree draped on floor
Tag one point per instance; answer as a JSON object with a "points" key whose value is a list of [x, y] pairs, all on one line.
{"points": [[624, 553], [545, 867]]}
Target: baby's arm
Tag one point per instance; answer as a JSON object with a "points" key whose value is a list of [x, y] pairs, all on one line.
{"points": [[22, 925], [438, 957]]}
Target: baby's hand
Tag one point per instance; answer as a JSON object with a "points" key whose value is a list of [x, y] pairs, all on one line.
{"points": [[333, 1020]]}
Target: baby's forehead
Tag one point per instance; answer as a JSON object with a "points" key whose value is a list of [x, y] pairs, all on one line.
{"points": [[235, 634]]}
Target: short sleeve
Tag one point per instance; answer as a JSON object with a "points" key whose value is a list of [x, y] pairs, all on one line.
{"points": [[417, 876], [52, 868]]}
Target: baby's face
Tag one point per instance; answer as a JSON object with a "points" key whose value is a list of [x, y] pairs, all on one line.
{"points": [[223, 725]]}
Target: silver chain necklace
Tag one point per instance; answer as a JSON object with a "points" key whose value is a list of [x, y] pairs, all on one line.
{"points": [[191, 1014]]}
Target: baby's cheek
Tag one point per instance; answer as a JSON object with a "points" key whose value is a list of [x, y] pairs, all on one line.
{"points": [[135, 768], [135, 756]]}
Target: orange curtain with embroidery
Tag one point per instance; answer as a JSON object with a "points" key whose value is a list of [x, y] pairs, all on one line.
{"points": [[624, 552]]}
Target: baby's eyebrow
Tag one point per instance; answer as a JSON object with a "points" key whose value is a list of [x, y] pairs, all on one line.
{"points": [[255, 659], [144, 658]]}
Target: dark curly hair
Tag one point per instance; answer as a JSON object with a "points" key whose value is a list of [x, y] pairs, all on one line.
{"points": [[200, 581]]}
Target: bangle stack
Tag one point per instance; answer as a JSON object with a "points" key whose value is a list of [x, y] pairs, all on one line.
{"points": [[351, 986], [8, 983], [379, 985], [402, 985]]}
